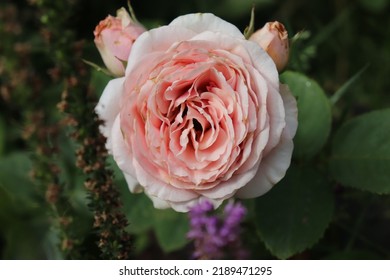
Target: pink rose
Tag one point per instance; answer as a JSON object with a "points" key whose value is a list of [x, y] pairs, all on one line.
{"points": [[114, 37], [199, 115], [273, 38]]}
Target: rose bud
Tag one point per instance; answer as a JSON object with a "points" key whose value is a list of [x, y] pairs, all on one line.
{"points": [[114, 38], [273, 38]]}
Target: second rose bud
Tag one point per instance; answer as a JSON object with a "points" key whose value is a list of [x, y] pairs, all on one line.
{"points": [[114, 37], [273, 38]]}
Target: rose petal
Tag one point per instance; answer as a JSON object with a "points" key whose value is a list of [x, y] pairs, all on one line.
{"points": [[159, 39], [109, 107], [291, 109], [263, 63], [159, 188], [158, 203], [227, 189], [186, 205], [273, 168], [207, 22], [122, 156]]}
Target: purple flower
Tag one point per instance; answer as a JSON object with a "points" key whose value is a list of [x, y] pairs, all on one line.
{"points": [[216, 236]]}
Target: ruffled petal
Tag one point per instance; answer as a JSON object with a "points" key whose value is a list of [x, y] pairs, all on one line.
{"points": [[273, 168], [158, 185], [156, 40]]}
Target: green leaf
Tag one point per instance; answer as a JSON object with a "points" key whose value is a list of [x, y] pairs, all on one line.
{"points": [[139, 211], [361, 152], [171, 228], [293, 216], [314, 114]]}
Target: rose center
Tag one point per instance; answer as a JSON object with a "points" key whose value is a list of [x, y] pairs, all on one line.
{"points": [[197, 126]]}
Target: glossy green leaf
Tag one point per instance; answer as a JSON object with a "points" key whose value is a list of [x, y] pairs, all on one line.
{"points": [[293, 216], [361, 152], [314, 114], [171, 228]]}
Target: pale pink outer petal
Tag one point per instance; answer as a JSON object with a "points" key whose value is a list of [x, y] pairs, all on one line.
{"points": [[183, 206], [273, 168], [263, 63], [122, 157], [201, 22], [186, 205], [291, 111], [133, 184], [159, 188], [158, 203], [108, 107], [228, 188], [159, 39]]}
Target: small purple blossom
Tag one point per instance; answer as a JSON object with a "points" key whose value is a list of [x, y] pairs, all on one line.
{"points": [[215, 236]]}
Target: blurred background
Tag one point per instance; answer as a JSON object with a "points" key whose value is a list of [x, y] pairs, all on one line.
{"points": [[42, 44]]}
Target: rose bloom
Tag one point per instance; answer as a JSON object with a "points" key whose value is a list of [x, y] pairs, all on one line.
{"points": [[114, 37], [199, 115], [273, 38]]}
